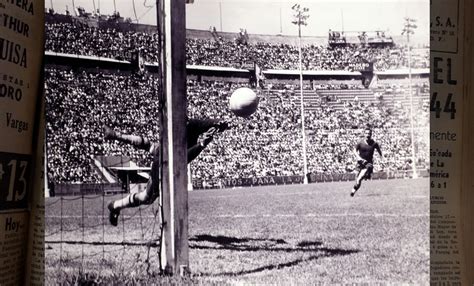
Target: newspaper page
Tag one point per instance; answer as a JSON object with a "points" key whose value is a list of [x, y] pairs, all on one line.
{"points": [[21, 52], [35, 250], [446, 106], [467, 187]]}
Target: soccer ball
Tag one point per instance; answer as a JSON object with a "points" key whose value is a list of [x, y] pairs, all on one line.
{"points": [[243, 102]]}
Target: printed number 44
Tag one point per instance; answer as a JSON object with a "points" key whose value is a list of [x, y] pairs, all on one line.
{"points": [[20, 193], [449, 106]]}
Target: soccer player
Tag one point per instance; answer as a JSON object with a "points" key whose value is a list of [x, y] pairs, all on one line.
{"points": [[364, 152], [199, 134]]}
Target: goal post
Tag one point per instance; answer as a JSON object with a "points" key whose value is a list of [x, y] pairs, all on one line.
{"points": [[174, 257]]}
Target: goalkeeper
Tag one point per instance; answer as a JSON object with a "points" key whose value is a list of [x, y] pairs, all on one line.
{"points": [[199, 134]]}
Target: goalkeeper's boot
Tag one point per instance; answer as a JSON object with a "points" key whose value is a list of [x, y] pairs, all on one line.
{"points": [[113, 214]]}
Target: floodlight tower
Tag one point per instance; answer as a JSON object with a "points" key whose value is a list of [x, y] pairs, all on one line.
{"points": [[409, 28], [300, 17]]}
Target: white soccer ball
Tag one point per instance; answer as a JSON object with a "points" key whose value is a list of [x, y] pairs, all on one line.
{"points": [[243, 102]]}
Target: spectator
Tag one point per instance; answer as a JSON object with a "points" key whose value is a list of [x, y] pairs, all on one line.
{"points": [[80, 103]]}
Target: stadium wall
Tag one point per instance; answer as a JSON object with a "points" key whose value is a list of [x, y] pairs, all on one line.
{"points": [[289, 180], [86, 62], [206, 72], [74, 189]]}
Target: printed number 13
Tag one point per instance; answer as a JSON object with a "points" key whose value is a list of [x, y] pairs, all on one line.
{"points": [[12, 195]]}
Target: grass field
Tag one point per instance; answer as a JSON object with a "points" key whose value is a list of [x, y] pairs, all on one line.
{"points": [[294, 234]]}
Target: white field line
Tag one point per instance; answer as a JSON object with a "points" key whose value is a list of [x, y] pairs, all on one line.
{"points": [[276, 215], [315, 194], [324, 215]]}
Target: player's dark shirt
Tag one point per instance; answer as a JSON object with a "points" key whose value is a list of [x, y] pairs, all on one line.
{"points": [[366, 149]]}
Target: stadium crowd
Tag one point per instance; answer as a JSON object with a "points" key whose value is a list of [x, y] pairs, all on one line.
{"points": [[80, 39], [285, 56], [80, 103]]}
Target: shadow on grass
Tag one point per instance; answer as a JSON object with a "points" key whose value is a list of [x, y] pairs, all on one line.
{"points": [[226, 240], [265, 245]]}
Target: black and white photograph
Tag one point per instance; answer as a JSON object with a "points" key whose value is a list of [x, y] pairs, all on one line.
{"points": [[217, 142]]}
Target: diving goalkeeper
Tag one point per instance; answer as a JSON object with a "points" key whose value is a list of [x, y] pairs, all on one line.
{"points": [[199, 134]]}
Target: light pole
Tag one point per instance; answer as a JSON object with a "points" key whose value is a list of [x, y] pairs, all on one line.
{"points": [[220, 13], [300, 17], [409, 28]]}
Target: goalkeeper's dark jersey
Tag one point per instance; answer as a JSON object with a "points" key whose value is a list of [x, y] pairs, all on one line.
{"points": [[194, 128], [366, 149]]}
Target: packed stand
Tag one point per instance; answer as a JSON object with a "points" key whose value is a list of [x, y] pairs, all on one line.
{"points": [[270, 143], [79, 104], [77, 38], [286, 57]]}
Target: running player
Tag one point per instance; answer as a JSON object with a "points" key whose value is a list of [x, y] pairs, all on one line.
{"points": [[199, 134], [364, 152]]}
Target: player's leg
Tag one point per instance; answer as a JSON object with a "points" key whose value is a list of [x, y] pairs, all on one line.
{"points": [[145, 197], [370, 170], [360, 176], [117, 205], [135, 140]]}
